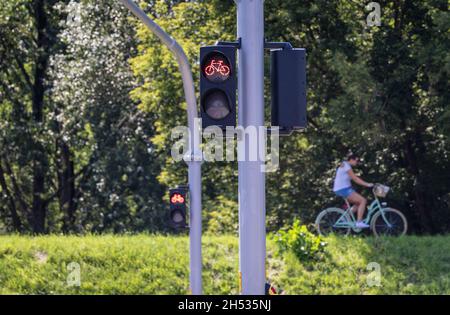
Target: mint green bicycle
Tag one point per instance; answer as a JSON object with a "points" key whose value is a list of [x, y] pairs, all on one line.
{"points": [[382, 219]]}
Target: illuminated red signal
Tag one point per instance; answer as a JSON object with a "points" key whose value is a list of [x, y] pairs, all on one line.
{"points": [[177, 198], [216, 67]]}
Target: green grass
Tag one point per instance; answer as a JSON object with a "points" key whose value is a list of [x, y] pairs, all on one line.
{"points": [[147, 264], [408, 265]]}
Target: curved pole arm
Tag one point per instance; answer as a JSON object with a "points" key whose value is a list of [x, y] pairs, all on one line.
{"points": [[194, 157], [177, 50]]}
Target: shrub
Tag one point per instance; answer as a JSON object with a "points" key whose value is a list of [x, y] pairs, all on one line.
{"points": [[305, 245], [222, 216]]}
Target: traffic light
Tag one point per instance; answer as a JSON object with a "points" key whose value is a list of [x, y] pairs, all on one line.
{"points": [[177, 213], [288, 83], [218, 86]]}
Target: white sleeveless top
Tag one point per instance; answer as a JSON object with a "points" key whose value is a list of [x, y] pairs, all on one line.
{"points": [[342, 179]]}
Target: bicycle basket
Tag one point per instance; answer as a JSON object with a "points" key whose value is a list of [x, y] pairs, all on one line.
{"points": [[381, 190]]}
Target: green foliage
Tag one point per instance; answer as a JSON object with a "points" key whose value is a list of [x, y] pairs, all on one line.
{"points": [[375, 90], [407, 265], [155, 264], [305, 245], [98, 169], [98, 160], [222, 217]]}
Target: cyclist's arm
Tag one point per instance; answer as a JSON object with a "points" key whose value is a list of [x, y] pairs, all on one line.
{"points": [[358, 180]]}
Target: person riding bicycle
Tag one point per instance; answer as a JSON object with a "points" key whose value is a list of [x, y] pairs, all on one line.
{"points": [[343, 187]]}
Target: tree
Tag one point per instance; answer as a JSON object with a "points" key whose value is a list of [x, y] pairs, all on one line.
{"points": [[88, 98], [28, 38], [353, 105], [70, 128], [160, 90], [103, 127]]}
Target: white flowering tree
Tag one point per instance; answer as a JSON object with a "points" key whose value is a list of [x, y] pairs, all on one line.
{"points": [[97, 170]]}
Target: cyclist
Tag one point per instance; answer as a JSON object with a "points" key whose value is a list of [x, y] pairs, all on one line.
{"points": [[343, 187]]}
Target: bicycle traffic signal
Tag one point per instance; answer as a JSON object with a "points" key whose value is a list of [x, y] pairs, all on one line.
{"points": [[218, 86], [177, 213]]}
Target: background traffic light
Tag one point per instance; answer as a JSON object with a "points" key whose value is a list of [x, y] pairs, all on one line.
{"points": [[218, 86], [288, 84], [177, 215]]}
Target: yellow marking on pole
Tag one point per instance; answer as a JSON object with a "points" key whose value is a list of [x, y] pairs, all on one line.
{"points": [[240, 282]]}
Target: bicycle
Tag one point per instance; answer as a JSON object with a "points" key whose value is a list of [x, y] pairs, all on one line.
{"points": [[217, 66], [383, 220]]}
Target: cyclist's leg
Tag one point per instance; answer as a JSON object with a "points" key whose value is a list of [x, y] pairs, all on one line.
{"points": [[351, 206], [360, 202]]}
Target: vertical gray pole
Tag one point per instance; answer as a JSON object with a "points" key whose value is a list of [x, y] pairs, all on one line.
{"points": [[252, 202], [195, 205], [195, 157]]}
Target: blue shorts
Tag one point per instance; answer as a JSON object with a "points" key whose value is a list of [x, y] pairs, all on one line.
{"points": [[344, 192]]}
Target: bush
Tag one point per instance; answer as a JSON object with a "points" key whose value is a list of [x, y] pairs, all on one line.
{"points": [[305, 245], [222, 216]]}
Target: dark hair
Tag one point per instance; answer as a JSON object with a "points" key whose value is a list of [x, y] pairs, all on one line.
{"points": [[352, 156]]}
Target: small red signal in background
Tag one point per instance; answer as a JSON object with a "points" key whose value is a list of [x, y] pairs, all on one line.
{"points": [[177, 198], [177, 213]]}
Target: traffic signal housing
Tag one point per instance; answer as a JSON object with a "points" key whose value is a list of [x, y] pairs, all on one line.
{"points": [[177, 214], [288, 84], [218, 86]]}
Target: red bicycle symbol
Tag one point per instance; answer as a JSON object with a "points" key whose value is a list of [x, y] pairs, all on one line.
{"points": [[177, 198], [217, 66]]}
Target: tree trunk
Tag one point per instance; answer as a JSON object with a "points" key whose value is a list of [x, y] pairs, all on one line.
{"points": [[17, 224], [67, 188], [38, 208], [39, 157], [423, 211]]}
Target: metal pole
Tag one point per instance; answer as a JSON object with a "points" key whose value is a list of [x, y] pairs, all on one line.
{"points": [[195, 158], [252, 202]]}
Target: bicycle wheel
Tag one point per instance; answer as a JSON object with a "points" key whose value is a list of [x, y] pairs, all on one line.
{"points": [[224, 70], [396, 224], [209, 70], [327, 219]]}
